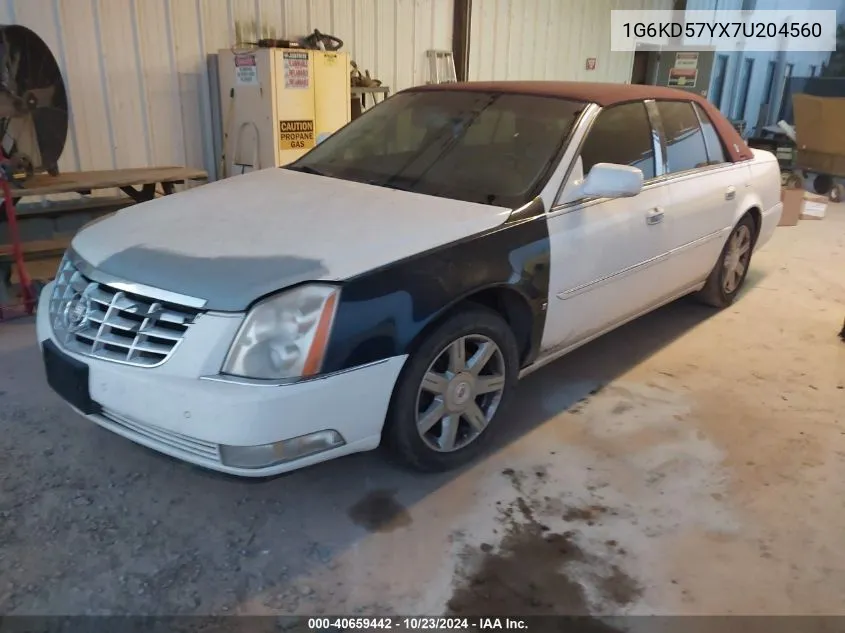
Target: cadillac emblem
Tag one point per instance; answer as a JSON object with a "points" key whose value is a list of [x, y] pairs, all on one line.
{"points": [[77, 313]]}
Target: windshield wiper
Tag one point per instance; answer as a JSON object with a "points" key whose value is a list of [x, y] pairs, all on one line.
{"points": [[307, 169]]}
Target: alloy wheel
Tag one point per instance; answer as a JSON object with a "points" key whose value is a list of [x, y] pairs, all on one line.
{"points": [[736, 258], [460, 393]]}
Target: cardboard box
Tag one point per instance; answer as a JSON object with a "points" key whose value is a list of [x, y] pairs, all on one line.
{"points": [[813, 210], [793, 203], [818, 124], [814, 197]]}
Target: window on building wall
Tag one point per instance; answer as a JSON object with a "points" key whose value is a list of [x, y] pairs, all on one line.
{"points": [[685, 146], [744, 87], [720, 69], [621, 135], [712, 140], [770, 82], [786, 92]]}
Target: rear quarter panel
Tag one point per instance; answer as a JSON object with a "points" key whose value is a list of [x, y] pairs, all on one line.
{"points": [[764, 193]]}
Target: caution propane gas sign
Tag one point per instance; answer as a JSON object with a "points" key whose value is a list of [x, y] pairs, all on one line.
{"points": [[296, 134]]}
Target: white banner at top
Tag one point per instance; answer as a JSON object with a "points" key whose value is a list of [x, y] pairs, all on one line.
{"points": [[783, 30]]}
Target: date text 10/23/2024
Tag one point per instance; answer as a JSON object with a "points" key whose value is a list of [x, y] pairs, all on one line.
{"points": [[416, 623]]}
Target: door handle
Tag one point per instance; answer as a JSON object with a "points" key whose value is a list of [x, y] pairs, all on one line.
{"points": [[654, 216], [730, 193]]}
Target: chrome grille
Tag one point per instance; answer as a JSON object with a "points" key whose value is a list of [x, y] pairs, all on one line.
{"points": [[97, 320], [158, 437]]}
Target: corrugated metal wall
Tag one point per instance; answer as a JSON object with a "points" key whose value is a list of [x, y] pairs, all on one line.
{"points": [[136, 69], [548, 39]]}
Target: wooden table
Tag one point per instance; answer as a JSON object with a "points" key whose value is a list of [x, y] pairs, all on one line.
{"points": [[43, 252], [84, 182]]}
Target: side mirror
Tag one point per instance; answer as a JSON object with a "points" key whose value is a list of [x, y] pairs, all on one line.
{"points": [[607, 180]]}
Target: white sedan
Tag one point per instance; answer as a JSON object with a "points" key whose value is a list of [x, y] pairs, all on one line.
{"points": [[392, 285]]}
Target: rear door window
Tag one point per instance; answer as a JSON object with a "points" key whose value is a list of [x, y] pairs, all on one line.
{"points": [[715, 149], [621, 135], [685, 146]]}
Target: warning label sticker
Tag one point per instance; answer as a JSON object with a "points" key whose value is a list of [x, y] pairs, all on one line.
{"points": [[296, 134], [296, 70], [245, 69], [682, 77]]}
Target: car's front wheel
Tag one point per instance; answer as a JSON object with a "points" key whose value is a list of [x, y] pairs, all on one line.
{"points": [[728, 276], [451, 391]]}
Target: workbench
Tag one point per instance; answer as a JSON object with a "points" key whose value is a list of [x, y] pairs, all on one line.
{"points": [[46, 228], [84, 182]]}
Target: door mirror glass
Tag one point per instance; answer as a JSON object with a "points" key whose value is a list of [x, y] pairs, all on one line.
{"points": [[607, 180]]}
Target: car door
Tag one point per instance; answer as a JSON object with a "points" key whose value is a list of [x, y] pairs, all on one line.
{"points": [[704, 189], [607, 253]]}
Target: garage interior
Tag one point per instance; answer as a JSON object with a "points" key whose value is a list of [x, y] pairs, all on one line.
{"points": [[688, 463]]}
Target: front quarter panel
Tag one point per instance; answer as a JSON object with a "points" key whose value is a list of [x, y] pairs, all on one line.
{"points": [[383, 313]]}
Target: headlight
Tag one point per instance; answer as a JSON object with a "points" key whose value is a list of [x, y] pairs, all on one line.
{"points": [[284, 336]]}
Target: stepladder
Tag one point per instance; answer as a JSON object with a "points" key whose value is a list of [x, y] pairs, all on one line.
{"points": [[441, 66]]}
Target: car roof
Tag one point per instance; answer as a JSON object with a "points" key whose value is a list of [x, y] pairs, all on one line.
{"points": [[605, 94]]}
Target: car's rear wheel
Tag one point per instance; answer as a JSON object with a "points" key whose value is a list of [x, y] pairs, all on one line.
{"points": [[451, 391], [728, 276]]}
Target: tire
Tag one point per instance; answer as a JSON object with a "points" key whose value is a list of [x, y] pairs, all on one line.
{"points": [[822, 184], [445, 396], [717, 292]]}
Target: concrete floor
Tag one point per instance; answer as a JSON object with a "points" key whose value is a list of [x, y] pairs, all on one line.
{"points": [[692, 462]]}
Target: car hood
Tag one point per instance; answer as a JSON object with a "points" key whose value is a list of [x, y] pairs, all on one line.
{"points": [[235, 240]]}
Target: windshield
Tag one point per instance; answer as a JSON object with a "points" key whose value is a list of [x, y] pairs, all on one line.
{"points": [[482, 147]]}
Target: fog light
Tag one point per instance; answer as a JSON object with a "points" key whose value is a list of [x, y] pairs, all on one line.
{"points": [[266, 455]]}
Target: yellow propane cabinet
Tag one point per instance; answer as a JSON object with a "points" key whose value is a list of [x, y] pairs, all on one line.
{"points": [[334, 95], [276, 104]]}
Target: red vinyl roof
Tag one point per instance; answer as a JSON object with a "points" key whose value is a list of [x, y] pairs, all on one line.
{"points": [[606, 94]]}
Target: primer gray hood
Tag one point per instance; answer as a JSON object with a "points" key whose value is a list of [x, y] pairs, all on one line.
{"points": [[235, 240]]}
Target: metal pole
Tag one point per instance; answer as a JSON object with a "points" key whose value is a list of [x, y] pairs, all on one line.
{"points": [[461, 23]]}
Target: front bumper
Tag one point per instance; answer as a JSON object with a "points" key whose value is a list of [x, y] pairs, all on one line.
{"points": [[182, 409]]}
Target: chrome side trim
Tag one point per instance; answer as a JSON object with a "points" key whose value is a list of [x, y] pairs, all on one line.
{"points": [[253, 382], [132, 287], [592, 285], [556, 354], [698, 242]]}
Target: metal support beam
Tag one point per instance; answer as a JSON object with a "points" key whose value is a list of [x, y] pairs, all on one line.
{"points": [[460, 37]]}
